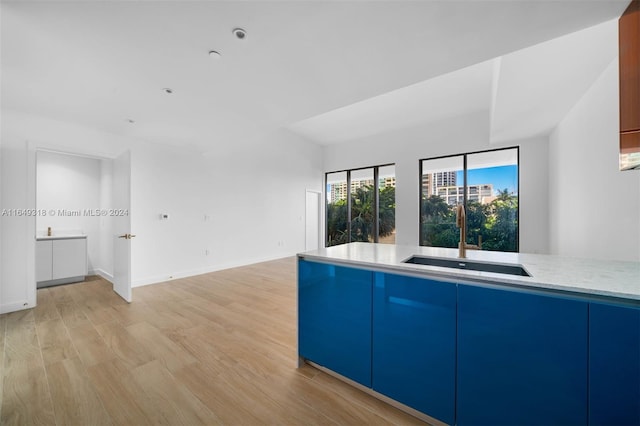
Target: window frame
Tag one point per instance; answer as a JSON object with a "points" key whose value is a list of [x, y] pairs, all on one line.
{"points": [[465, 186], [376, 201]]}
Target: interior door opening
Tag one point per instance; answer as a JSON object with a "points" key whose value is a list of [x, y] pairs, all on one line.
{"points": [[86, 198], [312, 220]]}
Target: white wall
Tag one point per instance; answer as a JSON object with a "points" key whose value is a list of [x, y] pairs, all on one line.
{"points": [[69, 183], [534, 195], [15, 289], [21, 136], [594, 208], [452, 136], [254, 201]]}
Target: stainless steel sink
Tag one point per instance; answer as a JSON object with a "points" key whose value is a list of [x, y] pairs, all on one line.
{"points": [[510, 269]]}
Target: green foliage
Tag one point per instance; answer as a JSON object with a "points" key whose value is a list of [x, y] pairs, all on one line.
{"points": [[387, 211], [438, 224], [337, 223], [496, 222], [362, 217], [362, 214], [476, 215], [502, 223]]}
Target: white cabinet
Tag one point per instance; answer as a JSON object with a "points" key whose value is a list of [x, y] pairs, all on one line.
{"points": [[69, 258], [44, 257], [61, 260]]}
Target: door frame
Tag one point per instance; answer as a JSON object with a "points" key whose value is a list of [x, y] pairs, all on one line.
{"points": [[31, 183]]}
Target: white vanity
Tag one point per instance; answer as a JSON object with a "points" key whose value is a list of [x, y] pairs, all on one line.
{"points": [[60, 259]]}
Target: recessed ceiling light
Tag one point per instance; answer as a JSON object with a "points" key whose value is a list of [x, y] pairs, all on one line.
{"points": [[168, 90], [214, 54], [240, 33]]}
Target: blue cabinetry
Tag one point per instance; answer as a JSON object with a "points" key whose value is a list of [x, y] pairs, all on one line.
{"points": [[473, 354], [522, 358], [614, 365], [414, 347], [334, 318]]}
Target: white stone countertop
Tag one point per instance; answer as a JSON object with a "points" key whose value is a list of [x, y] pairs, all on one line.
{"points": [[589, 277], [59, 237]]}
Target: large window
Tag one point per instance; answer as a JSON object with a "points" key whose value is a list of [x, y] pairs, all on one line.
{"points": [[486, 183], [361, 205]]}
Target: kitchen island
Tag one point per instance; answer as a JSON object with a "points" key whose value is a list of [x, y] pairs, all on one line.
{"points": [[458, 346]]}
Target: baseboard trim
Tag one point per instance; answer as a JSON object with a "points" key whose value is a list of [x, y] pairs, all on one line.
{"points": [[214, 268], [69, 280], [107, 276], [15, 306]]}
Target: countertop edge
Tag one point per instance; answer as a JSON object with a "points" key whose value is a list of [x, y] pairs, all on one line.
{"points": [[484, 278], [60, 237]]}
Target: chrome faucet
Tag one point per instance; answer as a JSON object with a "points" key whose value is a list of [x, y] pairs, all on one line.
{"points": [[461, 222]]}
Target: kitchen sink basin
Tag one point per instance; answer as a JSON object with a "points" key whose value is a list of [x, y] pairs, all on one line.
{"points": [[509, 269]]}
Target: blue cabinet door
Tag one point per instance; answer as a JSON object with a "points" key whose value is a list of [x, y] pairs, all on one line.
{"points": [[614, 365], [334, 318], [414, 354], [522, 358]]}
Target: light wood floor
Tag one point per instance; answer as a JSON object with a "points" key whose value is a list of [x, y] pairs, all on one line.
{"points": [[219, 348]]}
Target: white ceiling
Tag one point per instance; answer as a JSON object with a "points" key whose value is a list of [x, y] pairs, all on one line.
{"points": [[100, 63], [525, 93], [537, 86], [448, 95]]}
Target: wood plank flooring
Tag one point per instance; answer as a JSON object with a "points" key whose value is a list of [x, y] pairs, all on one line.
{"points": [[218, 348]]}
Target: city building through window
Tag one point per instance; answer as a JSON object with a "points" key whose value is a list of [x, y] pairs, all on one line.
{"points": [[361, 205], [486, 184]]}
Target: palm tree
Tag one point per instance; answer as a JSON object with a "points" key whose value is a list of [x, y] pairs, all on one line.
{"points": [[362, 216]]}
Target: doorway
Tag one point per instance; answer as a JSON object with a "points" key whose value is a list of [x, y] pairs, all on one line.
{"points": [[312, 220], [83, 197]]}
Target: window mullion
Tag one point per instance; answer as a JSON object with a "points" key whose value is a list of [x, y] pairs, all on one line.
{"points": [[348, 206], [376, 203], [464, 189]]}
